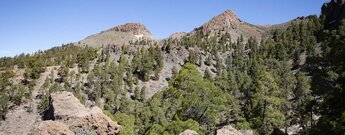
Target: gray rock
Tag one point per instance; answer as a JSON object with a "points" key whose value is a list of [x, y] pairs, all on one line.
{"points": [[228, 130], [189, 132]]}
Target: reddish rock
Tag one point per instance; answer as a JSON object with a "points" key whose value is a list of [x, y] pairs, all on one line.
{"points": [[227, 19], [135, 28], [52, 128]]}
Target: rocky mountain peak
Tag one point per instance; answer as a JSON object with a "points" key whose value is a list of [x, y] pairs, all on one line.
{"points": [[226, 19], [134, 28], [334, 12], [119, 35], [228, 23], [229, 13]]}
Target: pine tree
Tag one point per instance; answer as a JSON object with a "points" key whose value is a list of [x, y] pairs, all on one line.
{"points": [[143, 94], [207, 74], [137, 93], [267, 103]]}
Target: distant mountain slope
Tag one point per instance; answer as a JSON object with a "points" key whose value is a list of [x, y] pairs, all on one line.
{"points": [[284, 26], [226, 22]]}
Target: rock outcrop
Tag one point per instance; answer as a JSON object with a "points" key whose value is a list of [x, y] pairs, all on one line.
{"points": [[189, 132], [226, 19], [66, 112], [334, 12], [53, 128], [119, 35], [227, 22], [134, 28], [177, 35], [229, 130]]}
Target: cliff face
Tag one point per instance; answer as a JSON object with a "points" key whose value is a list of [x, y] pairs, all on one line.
{"points": [[134, 28], [333, 12]]}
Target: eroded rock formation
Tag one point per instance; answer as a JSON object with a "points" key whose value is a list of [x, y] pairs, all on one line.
{"points": [[69, 116]]}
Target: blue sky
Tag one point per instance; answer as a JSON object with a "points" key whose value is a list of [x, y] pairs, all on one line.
{"points": [[31, 25]]}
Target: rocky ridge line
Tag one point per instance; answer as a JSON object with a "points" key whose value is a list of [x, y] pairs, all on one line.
{"points": [[135, 28]]}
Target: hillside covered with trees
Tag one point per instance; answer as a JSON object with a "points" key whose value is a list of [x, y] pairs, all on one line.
{"points": [[205, 79]]}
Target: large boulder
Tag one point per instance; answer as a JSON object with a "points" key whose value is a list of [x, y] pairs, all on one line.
{"points": [[228, 130], [53, 128], [247, 132], [64, 105], [65, 110]]}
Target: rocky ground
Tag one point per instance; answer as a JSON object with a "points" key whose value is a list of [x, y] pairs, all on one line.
{"points": [[68, 115], [22, 119], [227, 130]]}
